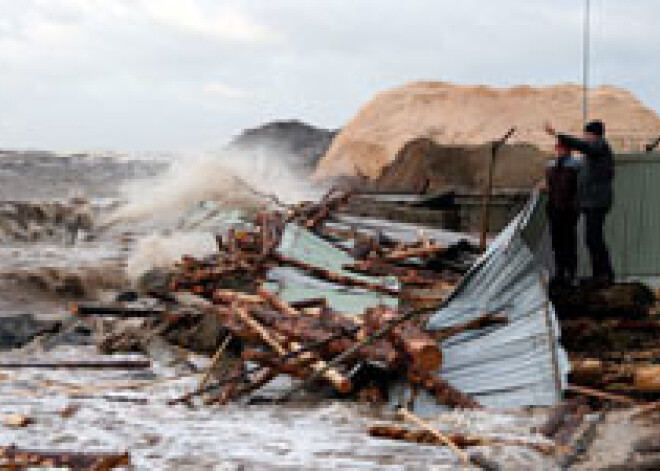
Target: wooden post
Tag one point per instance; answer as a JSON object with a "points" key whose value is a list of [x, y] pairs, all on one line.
{"points": [[487, 195]]}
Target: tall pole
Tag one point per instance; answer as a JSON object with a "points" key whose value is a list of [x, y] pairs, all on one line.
{"points": [[585, 61]]}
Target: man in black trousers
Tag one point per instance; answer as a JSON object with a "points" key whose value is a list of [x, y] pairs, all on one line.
{"points": [[563, 209], [594, 192]]}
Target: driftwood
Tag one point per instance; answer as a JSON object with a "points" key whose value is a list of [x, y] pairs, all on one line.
{"points": [[12, 457], [114, 310], [274, 341], [414, 252], [486, 320], [16, 420], [338, 381], [600, 394], [410, 417], [424, 437], [442, 391], [422, 349], [332, 277], [215, 360]]}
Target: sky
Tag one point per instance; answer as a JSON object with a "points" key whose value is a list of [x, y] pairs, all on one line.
{"points": [[189, 74]]}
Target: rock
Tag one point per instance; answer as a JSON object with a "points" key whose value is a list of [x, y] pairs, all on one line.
{"points": [[18, 330], [300, 144]]}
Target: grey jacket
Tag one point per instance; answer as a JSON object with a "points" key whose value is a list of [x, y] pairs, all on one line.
{"points": [[597, 174]]}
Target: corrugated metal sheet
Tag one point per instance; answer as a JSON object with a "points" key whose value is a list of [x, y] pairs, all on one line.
{"points": [[633, 226], [293, 285], [520, 363]]}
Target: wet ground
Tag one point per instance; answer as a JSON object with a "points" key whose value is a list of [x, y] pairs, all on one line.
{"points": [[325, 435], [121, 410]]}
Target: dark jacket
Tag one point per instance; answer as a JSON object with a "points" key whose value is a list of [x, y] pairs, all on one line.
{"points": [[562, 175], [597, 174]]}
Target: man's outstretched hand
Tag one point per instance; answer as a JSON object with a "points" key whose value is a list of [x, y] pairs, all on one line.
{"points": [[550, 130]]}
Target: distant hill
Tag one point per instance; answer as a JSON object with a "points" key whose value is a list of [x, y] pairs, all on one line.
{"points": [[298, 144], [460, 115]]}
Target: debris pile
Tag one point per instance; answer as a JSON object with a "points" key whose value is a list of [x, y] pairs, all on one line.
{"points": [[610, 334], [233, 306]]}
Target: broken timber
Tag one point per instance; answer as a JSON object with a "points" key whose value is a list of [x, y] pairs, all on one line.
{"points": [[12, 457]]}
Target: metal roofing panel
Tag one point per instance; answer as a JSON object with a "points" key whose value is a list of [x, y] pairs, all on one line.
{"points": [[293, 285], [520, 363]]}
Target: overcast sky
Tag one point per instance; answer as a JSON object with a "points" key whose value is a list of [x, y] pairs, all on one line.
{"points": [[188, 74]]}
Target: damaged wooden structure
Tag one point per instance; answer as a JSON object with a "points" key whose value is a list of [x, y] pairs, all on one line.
{"points": [[368, 313]]}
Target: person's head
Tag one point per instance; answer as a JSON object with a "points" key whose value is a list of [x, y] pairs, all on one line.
{"points": [[561, 149], [594, 130]]}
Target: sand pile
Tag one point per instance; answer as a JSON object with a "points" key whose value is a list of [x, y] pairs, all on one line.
{"points": [[458, 115]]}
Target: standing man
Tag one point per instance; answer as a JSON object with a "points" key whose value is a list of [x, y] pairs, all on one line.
{"points": [[561, 177], [594, 192]]}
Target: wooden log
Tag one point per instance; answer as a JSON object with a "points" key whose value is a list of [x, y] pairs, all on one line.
{"points": [[328, 275], [227, 296], [16, 420], [94, 365], [338, 381], [442, 391], [414, 252], [12, 457], [586, 370], [421, 348], [114, 310], [481, 322], [277, 303], [647, 378], [297, 369], [424, 437], [260, 330], [307, 332], [410, 417], [217, 357], [310, 303], [325, 208], [600, 394]]}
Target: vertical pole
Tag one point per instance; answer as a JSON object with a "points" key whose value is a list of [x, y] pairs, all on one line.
{"points": [[485, 201], [486, 197], [585, 61]]}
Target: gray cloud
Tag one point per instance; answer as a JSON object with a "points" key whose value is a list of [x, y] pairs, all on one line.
{"points": [[187, 74]]}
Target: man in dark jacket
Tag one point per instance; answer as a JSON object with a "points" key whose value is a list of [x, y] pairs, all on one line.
{"points": [[561, 176], [594, 192]]}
